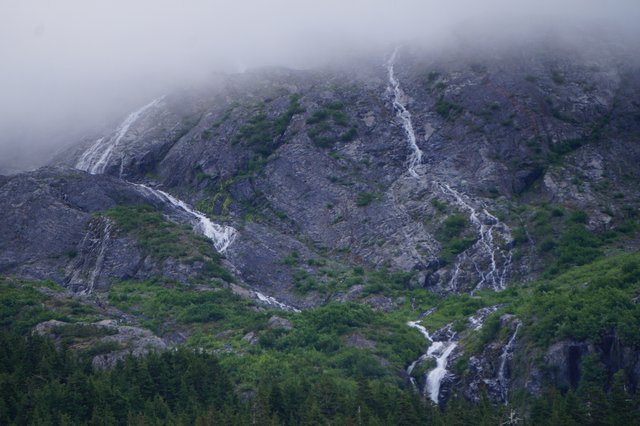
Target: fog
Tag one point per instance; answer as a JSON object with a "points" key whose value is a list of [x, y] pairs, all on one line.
{"points": [[69, 66]]}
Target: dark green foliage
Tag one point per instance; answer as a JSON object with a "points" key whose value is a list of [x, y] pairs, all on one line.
{"points": [[453, 225], [568, 145], [576, 246], [318, 116], [557, 77], [161, 303], [322, 122], [454, 236], [43, 386], [439, 205], [586, 303], [593, 136], [349, 135], [21, 306], [447, 109], [163, 239], [206, 134], [264, 134], [363, 199]]}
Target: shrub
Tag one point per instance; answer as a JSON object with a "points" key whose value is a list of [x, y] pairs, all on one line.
{"points": [[447, 109], [363, 199]]}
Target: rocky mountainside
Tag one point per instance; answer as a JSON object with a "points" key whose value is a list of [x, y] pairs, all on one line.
{"points": [[445, 189]]}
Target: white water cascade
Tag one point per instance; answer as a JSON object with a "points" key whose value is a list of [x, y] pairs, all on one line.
{"points": [[96, 159], [477, 320], [221, 236], [438, 350], [507, 351], [415, 159], [441, 346], [499, 260], [441, 352], [272, 301], [486, 225]]}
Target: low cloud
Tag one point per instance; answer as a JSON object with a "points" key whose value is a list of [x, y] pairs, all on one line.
{"points": [[72, 65]]}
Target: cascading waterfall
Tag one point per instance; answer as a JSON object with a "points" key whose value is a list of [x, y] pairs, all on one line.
{"points": [[441, 352], [485, 223], [221, 236], [421, 329], [476, 321], [441, 346], [415, 159], [507, 351], [96, 159], [92, 247], [272, 301]]}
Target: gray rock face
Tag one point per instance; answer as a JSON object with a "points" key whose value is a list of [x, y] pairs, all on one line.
{"points": [[120, 340], [279, 322], [564, 359], [490, 126], [50, 231]]}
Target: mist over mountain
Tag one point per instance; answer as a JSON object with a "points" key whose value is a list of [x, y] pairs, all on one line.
{"points": [[291, 213], [72, 68]]}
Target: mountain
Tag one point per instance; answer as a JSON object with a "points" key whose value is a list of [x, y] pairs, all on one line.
{"points": [[452, 227]]}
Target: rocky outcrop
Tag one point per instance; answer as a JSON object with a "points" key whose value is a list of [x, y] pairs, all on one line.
{"points": [[114, 341], [564, 361], [52, 229]]}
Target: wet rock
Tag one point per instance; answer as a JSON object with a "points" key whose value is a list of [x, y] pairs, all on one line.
{"points": [[356, 340], [564, 359], [251, 338], [525, 177], [278, 322], [120, 341]]}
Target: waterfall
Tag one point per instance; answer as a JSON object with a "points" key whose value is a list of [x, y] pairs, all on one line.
{"points": [[415, 159], [273, 302], [477, 321], [441, 352], [438, 350], [421, 329], [504, 357], [96, 159], [486, 224], [221, 236]]}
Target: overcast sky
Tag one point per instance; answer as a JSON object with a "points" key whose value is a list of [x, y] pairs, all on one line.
{"points": [[66, 65]]}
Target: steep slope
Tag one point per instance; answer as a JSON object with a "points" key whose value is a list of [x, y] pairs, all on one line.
{"points": [[365, 166], [421, 210]]}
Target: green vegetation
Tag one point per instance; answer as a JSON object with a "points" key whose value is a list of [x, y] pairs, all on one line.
{"points": [[44, 386], [455, 235], [162, 238], [162, 304], [363, 199], [323, 124], [334, 358], [593, 136], [22, 306], [585, 303], [447, 109], [263, 134], [557, 77]]}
